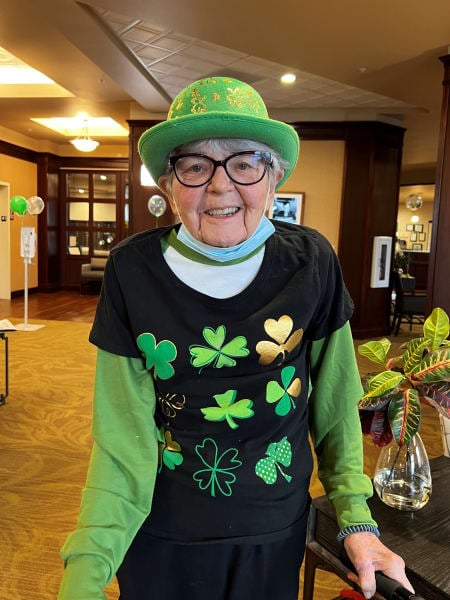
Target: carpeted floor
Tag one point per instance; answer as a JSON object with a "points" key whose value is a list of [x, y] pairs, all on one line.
{"points": [[44, 449]]}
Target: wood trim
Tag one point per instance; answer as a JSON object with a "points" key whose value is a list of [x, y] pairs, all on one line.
{"points": [[438, 285]]}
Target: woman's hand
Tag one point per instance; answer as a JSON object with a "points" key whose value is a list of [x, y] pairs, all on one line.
{"points": [[368, 555]]}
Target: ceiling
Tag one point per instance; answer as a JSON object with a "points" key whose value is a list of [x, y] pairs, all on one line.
{"points": [[127, 59]]}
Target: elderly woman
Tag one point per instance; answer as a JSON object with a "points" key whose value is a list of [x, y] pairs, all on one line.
{"points": [[222, 342]]}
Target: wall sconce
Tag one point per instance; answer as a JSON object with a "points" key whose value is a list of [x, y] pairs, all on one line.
{"points": [[415, 219], [83, 142]]}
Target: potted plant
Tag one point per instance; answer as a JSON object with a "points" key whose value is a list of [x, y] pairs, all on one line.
{"points": [[390, 408]]}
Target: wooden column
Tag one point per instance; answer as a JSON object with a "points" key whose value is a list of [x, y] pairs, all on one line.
{"points": [[439, 272], [140, 217], [371, 180], [369, 208]]}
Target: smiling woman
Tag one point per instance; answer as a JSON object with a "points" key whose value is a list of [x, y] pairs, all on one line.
{"points": [[209, 332]]}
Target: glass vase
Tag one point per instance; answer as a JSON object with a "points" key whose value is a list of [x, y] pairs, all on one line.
{"points": [[402, 477]]}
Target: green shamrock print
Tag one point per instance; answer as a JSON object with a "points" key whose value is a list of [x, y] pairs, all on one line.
{"points": [[218, 355], [169, 451], [228, 408], [277, 453], [217, 474], [157, 356], [283, 395]]}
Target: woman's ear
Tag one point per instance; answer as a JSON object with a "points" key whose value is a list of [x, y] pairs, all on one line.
{"points": [[164, 185]]}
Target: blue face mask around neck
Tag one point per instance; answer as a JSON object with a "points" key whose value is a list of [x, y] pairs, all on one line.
{"points": [[264, 230]]}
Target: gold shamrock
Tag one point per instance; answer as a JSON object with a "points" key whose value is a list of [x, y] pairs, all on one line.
{"points": [[280, 331]]}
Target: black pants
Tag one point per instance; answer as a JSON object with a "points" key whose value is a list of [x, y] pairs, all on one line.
{"points": [[155, 570]]}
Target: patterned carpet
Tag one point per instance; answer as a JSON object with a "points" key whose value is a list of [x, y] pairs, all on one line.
{"points": [[44, 449]]}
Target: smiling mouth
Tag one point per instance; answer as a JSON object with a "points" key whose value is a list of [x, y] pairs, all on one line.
{"points": [[222, 212]]}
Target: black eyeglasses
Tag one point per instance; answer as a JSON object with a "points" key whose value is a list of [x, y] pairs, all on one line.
{"points": [[244, 168]]}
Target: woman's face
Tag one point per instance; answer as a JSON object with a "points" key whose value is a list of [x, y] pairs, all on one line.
{"points": [[220, 213]]}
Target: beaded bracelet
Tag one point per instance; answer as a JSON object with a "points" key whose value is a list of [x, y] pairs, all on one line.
{"points": [[357, 529]]}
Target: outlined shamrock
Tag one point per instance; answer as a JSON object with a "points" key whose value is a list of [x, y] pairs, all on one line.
{"points": [[170, 403], [284, 396], [218, 355], [218, 472], [228, 408], [157, 356], [169, 451], [277, 453], [280, 331]]}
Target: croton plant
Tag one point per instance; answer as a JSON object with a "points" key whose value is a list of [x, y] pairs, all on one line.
{"points": [[391, 405]]}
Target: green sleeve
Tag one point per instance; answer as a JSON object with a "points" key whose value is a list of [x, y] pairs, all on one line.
{"points": [[336, 429], [119, 487]]}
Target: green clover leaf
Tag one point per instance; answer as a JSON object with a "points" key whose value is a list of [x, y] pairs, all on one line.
{"points": [[169, 450], [228, 409], [284, 395], [217, 354], [278, 453], [217, 473], [157, 356]]}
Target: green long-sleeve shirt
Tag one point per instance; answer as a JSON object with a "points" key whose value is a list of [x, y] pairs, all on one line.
{"points": [[121, 477]]}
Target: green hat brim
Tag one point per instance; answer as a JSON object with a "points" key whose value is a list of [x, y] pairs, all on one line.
{"points": [[156, 144]]}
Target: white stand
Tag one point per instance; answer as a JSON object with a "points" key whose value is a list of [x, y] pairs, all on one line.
{"points": [[28, 246]]}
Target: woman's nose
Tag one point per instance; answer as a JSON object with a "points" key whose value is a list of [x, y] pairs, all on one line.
{"points": [[220, 179]]}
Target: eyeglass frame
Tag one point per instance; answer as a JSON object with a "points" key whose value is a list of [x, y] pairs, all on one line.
{"points": [[268, 162]]}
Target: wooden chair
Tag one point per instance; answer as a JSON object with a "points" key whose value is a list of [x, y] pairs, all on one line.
{"points": [[408, 307]]}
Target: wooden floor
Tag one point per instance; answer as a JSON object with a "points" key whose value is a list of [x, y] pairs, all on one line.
{"points": [[58, 306]]}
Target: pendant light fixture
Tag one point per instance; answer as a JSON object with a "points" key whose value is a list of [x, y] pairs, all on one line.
{"points": [[83, 142]]}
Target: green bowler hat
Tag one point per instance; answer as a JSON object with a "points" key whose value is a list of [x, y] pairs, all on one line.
{"points": [[216, 107]]}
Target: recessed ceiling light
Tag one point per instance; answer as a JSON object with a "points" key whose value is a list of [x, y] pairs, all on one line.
{"points": [[288, 78]]}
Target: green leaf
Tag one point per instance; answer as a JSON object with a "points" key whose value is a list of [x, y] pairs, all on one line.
{"points": [[373, 402], [376, 351], [228, 409], [434, 367], [383, 384], [436, 327], [437, 395], [414, 354], [404, 414]]}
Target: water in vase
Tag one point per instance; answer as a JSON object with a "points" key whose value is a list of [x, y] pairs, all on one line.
{"points": [[402, 476]]}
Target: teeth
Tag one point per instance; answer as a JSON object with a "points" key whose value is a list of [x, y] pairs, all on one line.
{"points": [[222, 212]]}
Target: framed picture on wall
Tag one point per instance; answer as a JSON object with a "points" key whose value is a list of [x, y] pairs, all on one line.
{"points": [[410, 227], [422, 237], [413, 237], [417, 247], [418, 227], [288, 208]]}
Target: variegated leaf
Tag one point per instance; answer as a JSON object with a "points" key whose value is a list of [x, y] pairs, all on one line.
{"points": [[373, 402], [436, 327], [376, 351], [404, 414], [380, 430], [384, 383], [434, 367], [437, 395], [414, 354]]}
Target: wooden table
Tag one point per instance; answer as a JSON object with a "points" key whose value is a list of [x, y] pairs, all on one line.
{"points": [[422, 538]]}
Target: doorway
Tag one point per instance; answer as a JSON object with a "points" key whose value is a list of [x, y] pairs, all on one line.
{"points": [[5, 251]]}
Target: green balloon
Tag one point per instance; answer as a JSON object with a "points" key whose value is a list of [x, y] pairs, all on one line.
{"points": [[19, 205]]}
